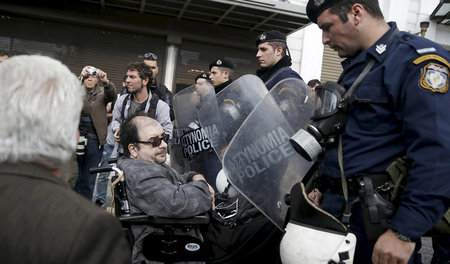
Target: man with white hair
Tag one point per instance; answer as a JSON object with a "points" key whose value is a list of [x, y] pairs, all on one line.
{"points": [[43, 220]]}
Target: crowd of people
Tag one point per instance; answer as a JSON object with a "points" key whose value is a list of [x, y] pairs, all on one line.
{"points": [[397, 112]]}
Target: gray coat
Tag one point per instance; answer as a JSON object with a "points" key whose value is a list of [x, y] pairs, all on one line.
{"points": [[158, 190]]}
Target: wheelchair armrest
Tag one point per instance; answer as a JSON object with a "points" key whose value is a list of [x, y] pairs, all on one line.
{"points": [[100, 169], [112, 160], [142, 219]]}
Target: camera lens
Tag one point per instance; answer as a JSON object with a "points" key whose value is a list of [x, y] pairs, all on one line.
{"points": [[81, 146]]}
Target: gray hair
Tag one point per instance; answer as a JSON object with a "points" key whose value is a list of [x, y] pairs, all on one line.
{"points": [[39, 109]]}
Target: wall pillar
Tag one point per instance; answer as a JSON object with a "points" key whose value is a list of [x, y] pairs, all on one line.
{"points": [[170, 65]]}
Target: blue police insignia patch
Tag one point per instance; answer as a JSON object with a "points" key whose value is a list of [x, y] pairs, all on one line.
{"points": [[435, 78], [435, 75]]}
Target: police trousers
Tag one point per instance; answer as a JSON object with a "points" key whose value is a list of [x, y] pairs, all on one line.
{"points": [[334, 203]]}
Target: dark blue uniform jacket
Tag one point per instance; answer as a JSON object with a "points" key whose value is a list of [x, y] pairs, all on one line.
{"points": [[283, 73], [409, 113]]}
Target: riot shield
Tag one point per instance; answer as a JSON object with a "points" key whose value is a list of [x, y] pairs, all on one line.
{"points": [[259, 161], [224, 116], [191, 146]]}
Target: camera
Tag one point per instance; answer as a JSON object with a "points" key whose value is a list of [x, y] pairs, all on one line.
{"points": [[81, 146], [92, 71]]}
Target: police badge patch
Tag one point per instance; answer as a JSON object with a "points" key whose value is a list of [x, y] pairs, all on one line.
{"points": [[262, 37], [435, 75], [435, 78]]}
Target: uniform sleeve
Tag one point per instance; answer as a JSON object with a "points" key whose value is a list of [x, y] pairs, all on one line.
{"points": [[425, 113], [155, 195], [162, 115]]}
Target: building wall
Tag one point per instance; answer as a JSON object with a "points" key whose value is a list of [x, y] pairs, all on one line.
{"points": [[111, 50]]}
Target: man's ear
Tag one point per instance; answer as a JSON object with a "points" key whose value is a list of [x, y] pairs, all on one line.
{"points": [[145, 81], [356, 13], [226, 74], [278, 51], [133, 150]]}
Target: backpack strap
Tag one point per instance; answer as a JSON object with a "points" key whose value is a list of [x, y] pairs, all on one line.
{"points": [[153, 103], [124, 104]]}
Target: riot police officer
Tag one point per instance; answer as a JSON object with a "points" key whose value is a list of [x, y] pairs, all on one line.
{"points": [[274, 58], [220, 72], [400, 108]]}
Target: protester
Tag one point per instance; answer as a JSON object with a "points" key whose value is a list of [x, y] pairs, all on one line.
{"points": [[312, 84], [149, 179], [140, 99], [93, 126], [43, 220], [151, 59]]}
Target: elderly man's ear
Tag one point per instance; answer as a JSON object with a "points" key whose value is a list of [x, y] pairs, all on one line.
{"points": [[133, 150]]}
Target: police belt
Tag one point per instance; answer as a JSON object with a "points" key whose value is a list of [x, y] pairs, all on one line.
{"points": [[379, 181]]}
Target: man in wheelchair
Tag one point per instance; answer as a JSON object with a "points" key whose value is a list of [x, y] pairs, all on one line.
{"points": [[154, 188]]}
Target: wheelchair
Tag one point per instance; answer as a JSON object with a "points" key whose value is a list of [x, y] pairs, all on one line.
{"points": [[173, 243]]}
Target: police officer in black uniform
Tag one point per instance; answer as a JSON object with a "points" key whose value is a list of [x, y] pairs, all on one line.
{"points": [[220, 72], [273, 58], [202, 87], [399, 109], [206, 161]]}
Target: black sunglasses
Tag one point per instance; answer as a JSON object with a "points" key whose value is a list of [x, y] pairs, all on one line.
{"points": [[155, 141], [150, 56]]}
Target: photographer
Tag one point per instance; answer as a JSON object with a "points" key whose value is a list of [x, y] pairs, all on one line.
{"points": [[93, 126]]}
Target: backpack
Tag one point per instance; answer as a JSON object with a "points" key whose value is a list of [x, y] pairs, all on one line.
{"points": [[151, 110]]}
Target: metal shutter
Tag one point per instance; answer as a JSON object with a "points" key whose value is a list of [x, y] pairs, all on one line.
{"points": [[195, 57], [331, 65], [78, 46]]}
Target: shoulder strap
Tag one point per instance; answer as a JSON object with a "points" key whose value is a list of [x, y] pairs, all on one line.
{"points": [[124, 104], [161, 90], [347, 96], [153, 103]]}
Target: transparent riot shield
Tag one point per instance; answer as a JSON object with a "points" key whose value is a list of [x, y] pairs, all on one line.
{"points": [[223, 117], [191, 145], [259, 161]]}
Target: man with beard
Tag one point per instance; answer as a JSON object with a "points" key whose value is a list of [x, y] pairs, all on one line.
{"points": [[140, 99], [272, 57], [154, 188]]}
